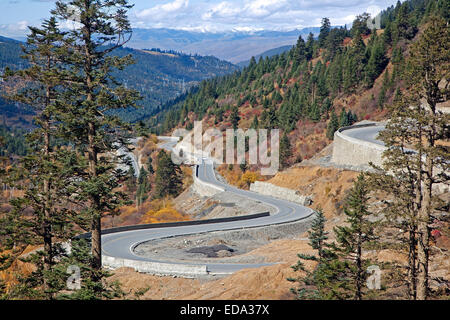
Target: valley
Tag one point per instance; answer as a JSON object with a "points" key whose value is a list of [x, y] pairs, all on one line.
{"points": [[140, 162]]}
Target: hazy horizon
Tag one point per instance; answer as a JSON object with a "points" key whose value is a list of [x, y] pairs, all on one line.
{"points": [[213, 16]]}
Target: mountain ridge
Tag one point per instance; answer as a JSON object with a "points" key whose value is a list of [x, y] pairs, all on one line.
{"points": [[158, 77], [233, 46]]}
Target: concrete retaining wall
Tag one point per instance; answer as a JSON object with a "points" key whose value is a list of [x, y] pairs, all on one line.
{"points": [[280, 192], [158, 268], [354, 152], [205, 189]]}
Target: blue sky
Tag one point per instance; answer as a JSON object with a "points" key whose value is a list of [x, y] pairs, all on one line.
{"points": [[206, 15]]}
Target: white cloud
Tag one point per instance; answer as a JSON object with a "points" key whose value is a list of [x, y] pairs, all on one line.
{"points": [[261, 8], [252, 14], [221, 15], [163, 9], [249, 10], [14, 29], [223, 10], [22, 25]]}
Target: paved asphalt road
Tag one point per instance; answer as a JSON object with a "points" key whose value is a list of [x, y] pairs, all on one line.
{"points": [[366, 134], [121, 244]]}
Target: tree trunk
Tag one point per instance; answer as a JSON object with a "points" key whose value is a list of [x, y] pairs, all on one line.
{"points": [[96, 244], [426, 205], [96, 219], [358, 295], [424, 234], [412, 255], [412, 259], [47, 225]]}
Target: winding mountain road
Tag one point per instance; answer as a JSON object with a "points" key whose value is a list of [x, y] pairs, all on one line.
{"points": [[368, 134], [122, 244]]}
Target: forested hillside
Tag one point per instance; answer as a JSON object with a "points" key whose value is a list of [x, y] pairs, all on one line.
{"points": [[161, 75], [268, 53], [157, 75], [322, 83]]}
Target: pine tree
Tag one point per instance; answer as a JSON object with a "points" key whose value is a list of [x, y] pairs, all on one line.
{"points": [[81, 257], [351, 239], [340, 272], [354, 64], [300, 52], [255, 123], [168, 179], [427, 67], [48, 169], [403, 26], [150, 168], [415, 121], [377, 62], [234, 117], [309, 287], [143, 188], [91, 94], [285, 150], [359, 25], [310, 46], [324, 31], [343, 119], [317, 235], [387, 34], [270, 118], [384, 88], [402, 211], [332, 126]]}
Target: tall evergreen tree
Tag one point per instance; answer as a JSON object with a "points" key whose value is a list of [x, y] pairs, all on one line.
{"points": [[234, 117], [402, 211], [143, 188], [310, 46], [150, 168], [324, 31], [100, 27], [300, 53], [351, 239], [168, 179], [376, 63], [403, 26], [359, 25], [428, 68], [285, 150], [48, 169], [416, 122], [333, 125], [255, 123], [309, 286]]}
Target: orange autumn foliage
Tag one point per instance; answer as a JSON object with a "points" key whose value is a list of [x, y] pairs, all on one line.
{"points": [[237, 178], [9, 276], [249, 177], [165, 214]]}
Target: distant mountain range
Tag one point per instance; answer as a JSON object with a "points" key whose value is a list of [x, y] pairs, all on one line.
{"points": [[233, 46], [183, 59], [157, 74]]}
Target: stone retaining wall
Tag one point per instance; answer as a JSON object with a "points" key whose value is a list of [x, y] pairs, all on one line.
{"points": [[205, 189], [158, 268], [354, 152], [280, 192]]}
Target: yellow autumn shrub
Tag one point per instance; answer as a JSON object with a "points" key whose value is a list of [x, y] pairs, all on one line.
{"points": [[164, 214]]}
